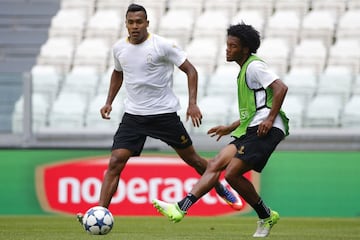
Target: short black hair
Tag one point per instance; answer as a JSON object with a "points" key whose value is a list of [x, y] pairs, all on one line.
{"points": [[247, 34], [136, 8]]}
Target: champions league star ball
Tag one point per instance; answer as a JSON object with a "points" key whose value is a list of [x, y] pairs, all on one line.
{"points": [[98, 221]]}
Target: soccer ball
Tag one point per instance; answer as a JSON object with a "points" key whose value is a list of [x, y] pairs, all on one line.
{"points": [[98, 221]]}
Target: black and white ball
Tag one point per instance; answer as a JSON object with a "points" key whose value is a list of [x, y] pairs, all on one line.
{"points": [[98, 221]]}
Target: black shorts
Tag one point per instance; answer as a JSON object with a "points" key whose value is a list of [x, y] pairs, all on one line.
{"points": [[134, 129], [256, 150]]}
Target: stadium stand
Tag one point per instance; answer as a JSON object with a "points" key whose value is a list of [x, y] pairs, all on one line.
{"points": [[302, 83], [92, 120], [294, 106], [319, 24], [300, 6], [106, 24], [276, 52], [23, 29], [307, 42], [310, 53], [67, 112], [351, 115], [211, 23], [285, 24], [223, 81], [69, 23], [254, 17], [323, 111], [337, 81], [349, 24], [82, 80], [345, 52], [46, 80], [171, 27], [58, 52], [40, 108], [266, 6]]}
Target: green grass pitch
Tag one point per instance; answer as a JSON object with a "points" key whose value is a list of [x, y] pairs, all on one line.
{"points": [[157, 228]]}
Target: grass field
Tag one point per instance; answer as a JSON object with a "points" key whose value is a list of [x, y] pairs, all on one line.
{"points": [[158, 228]]}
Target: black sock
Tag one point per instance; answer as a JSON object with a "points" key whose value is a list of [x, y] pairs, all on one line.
{"points": [[261, 209], [220, 189], [187, 202]]}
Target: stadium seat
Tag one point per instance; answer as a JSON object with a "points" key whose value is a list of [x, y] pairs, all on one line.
{"points": [[284, 24], [203, 52], [266, 6], [338, 6], [46, 80], [40, 110], [301, 82], [58, 52], [310, 53], [92, 51], [253, 17], [349, 25], [68, 23], [82, 80], [121, 6], [276, 52], [195, 7], [323, 112], [294, 107], [319, 24], [87, 6], [93, 119], [106, 24], [212, 23], [300, 6], [104, 82], [336, 80], [158, 6], [223, 82], [351, 115], [67, 113], [345, 52], [356, 85], [215, 110], [171, 27], [180, 82], [230, 7], [353, 4]]}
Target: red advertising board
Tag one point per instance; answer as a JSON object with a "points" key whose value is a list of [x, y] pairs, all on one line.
{"points": [[74, 186]]}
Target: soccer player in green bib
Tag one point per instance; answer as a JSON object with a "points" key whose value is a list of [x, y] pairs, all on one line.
{"points": [[261, 126]]}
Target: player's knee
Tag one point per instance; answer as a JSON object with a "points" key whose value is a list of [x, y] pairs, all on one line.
{"points": [[116, 164]]}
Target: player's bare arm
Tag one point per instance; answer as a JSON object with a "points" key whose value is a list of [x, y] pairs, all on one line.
{"points": [[115, 85], [223, 130], [193, 110], [279, 93]]}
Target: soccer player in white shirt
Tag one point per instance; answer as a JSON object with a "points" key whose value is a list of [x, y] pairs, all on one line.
{"points": [[144, 63]]}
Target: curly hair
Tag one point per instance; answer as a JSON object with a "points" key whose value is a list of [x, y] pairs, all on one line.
{"points": [[248, 36]]}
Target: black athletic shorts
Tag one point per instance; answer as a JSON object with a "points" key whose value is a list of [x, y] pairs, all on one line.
{"points": [[134, 129], [256, 150]]}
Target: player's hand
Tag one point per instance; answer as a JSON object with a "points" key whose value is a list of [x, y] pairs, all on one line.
{"points": [[194, 113], [219, 131], [105, 111], [264, 128]]}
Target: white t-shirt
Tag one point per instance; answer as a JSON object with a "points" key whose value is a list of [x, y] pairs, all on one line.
{"points": [[259, 75], [148, 74]]}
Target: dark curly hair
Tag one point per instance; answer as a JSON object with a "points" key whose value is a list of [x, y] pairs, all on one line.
{"points": [[248, 36]]}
